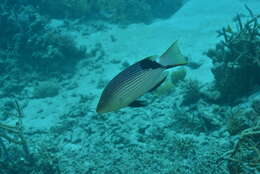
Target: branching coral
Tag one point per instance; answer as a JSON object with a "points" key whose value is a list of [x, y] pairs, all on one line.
{"points": [[17, 134], [14, 159], [246, 153], [236, 121], [236, 59]]}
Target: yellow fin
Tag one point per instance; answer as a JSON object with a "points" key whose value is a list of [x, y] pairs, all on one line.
{"points": [[172, 56], [166, 88]]}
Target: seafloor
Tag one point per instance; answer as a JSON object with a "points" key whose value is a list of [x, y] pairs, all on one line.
{"points": [[172, 135]]}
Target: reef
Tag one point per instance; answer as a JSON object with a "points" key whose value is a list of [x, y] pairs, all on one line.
{"points": [[245, 156], [18, 156], [31, 44], [236, 59], [182, 130], [29, 47], [116, 11]]}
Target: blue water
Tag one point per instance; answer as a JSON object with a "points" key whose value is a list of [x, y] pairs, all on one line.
{"points": [[56, 58]]}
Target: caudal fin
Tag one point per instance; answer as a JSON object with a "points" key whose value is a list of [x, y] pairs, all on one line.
{"points": [[172, 56]]}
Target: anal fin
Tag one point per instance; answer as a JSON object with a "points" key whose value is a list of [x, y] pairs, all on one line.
{"points": [[158, 84], [138, 103]]}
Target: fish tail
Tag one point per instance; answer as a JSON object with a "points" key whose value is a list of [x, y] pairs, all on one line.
{"points": [[171, 66], [172, 57]]}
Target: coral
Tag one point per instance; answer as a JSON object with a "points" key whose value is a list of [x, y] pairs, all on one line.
{"points": [[31, 45], [17, 132], [245, 155], [256, 106], [191, 121], [236, 122], [41, 50], [167, 6], [66, 8], [17, 156], [125, 11], [184, 144], [116, 11], [191, 92], [30, 49], [236, 59], [15, 135]]}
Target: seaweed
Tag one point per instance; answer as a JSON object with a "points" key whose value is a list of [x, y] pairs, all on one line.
{"points": [[236, 59]]}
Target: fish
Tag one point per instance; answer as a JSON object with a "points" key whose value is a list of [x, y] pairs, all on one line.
{"points": [[143, 76]]}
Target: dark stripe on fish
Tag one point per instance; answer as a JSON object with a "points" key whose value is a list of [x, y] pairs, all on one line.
{"points": [[134, 72], [149, 64]]}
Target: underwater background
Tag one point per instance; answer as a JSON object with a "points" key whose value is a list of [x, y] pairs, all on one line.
{"points": [[56, 57]]}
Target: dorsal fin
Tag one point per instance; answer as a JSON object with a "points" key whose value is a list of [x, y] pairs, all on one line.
{"points": [[172, 56], [149, 63]]}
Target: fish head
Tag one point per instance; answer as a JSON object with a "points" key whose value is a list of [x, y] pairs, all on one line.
{"points": [[103, 107], [108, 102]]}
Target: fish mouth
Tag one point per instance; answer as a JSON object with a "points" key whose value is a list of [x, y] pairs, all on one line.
{"points": [[100, 108]]}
